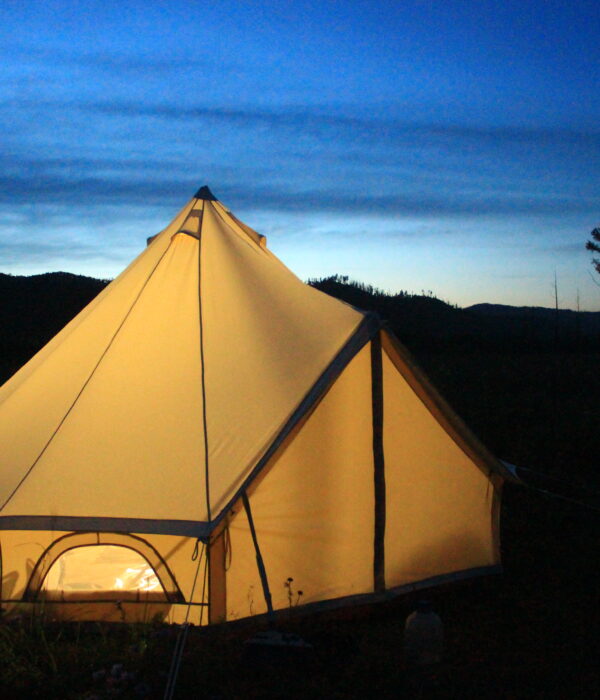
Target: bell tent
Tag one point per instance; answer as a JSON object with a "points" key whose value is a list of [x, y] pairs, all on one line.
{"points": [[210, 436]]}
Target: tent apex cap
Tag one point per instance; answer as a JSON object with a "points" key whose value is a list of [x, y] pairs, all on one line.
{"points": [[205, 193]]}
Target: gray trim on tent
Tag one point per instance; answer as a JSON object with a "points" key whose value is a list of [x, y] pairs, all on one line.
{"points": [[262, 572], [82, 523]]}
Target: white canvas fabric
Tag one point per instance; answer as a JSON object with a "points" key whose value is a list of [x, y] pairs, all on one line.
{"points": [[207, 411]]}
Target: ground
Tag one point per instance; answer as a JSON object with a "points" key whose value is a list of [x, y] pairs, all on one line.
{"points": [[527, 633]]}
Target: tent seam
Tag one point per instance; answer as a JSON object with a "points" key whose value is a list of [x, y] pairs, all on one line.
{"points": [[202, 368]]}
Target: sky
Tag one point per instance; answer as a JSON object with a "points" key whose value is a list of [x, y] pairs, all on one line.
{"points": [[444, 146]]}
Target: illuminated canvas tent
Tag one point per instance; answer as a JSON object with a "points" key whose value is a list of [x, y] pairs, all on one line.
{"points": [[209, 427]]}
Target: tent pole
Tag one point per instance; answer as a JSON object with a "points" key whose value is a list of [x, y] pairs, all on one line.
{"points": [[259, 560], [217, 579], [378, 463]]}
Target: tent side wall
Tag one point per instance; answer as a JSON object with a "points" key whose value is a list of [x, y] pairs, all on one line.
{"points": [[313, 510], [442, 494], [315, 513], [75, 432]]}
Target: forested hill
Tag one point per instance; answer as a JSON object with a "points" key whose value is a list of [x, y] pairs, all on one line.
{"points": [[420, 320], [33, 309]]}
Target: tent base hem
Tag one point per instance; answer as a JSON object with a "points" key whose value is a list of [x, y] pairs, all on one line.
{"points": [[374, 597]]}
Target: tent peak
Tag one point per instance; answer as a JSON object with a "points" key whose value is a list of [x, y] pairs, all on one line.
{"points": [[205, 193]]}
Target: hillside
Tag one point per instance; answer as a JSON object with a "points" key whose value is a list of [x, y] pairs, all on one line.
{"points": [[539, 324], [33, 309], [418, 320]]}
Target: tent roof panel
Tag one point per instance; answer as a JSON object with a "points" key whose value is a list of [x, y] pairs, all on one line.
{"points": [[267, 338], [110, 416], [131, 444]]}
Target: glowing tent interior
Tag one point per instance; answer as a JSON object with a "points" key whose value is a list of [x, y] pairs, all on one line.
{"points": [[210, 427]]}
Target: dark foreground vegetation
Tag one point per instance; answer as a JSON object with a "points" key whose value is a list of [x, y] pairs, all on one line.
{"points": [[528, 383]]}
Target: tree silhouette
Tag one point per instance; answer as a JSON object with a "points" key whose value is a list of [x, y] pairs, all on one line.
{"points": [[594, 246]]}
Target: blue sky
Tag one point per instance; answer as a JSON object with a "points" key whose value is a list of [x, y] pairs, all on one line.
{"points": [[444, 146]]}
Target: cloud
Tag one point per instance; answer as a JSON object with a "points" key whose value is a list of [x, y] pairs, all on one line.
{"points": [[303, 159], [43, 251], [406, 203], [45, 186], [316, 118], [89, 190], [312, 119], [12, 162], [113, 62]]}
